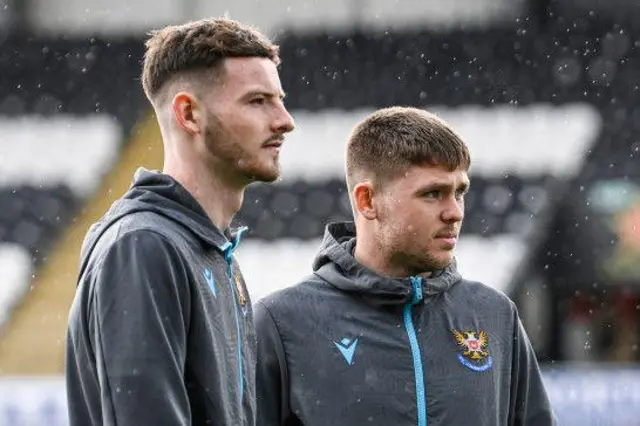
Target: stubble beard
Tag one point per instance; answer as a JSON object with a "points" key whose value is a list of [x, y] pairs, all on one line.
{"points": [[230, 153], [414, 259]]}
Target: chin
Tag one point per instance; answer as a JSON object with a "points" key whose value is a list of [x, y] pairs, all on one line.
{"points": [[266, 175], [432, 263], [442, 262]]}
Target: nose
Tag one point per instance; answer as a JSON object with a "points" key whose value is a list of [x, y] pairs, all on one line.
{"points": [[453, 211], [283, 121]]}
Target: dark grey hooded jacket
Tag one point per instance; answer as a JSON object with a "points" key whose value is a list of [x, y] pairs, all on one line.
{"points": [[349, 347], [161, 328]]}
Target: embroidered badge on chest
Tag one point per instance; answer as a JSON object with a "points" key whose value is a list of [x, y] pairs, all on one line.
{"points": [[474, 349], [240, 289]]}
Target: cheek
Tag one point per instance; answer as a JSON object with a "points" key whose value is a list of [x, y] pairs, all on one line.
{"points": [[238, 123], [416, 224], [402, 227], [237, 130]]}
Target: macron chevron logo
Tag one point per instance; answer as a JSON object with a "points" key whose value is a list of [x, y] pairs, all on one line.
{"points": [[347, 348], [208, 276]]}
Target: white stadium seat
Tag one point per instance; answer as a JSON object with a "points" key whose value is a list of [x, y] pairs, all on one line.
{"points": [[65, 149], [15, 277]]}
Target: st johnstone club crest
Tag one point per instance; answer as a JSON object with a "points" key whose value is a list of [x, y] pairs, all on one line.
{"points": [[474, 353], [241, 290]]}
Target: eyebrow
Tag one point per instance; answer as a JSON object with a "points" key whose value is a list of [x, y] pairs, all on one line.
{"points": [[281, 94], [446, 186]]}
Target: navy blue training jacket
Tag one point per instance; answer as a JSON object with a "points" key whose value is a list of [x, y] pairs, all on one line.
{"points": [[349, 347], [161, 329]]}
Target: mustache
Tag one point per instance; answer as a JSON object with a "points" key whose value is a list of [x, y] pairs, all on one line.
{"points": [[273, 140]]}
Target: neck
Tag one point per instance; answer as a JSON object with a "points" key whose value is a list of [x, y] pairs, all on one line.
{"points": [[219, 199]]}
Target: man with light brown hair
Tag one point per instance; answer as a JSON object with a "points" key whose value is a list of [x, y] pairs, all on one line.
{"points": [[161, 329], [386, 331]]}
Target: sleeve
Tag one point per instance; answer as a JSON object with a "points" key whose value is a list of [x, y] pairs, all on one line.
{"points": [[530, 404], [139, 322], [272, 382]]}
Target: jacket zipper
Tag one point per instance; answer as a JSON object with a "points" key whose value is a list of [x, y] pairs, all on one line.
{"points": [[421, 402], [228, 250]]}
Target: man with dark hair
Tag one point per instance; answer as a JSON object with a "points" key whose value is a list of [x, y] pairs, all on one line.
{"points": [[161, 329], [385, 331]]}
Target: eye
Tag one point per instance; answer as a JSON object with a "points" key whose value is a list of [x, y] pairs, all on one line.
{"points": [[258, 101], [432, 195], [461, 193]]}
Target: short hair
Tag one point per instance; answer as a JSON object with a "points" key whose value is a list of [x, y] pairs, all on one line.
{"points": [[387, 142], [199, 45]]}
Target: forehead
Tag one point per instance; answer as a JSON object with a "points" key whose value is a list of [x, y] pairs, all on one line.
{"points": [[250, 74], [416, 177]]}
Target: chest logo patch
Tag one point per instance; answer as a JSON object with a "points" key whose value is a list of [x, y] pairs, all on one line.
{"points": [[241, 291], [474, 353], [211, 281], [347, 348]]}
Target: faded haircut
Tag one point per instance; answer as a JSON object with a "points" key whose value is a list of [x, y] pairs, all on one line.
{"points": [[389, 141], [187, 49]]}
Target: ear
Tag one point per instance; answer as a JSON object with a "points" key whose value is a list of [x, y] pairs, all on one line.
{"points": [[363, 194], [188, 113]]}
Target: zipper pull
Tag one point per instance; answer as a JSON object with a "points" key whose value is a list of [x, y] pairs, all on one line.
{"points": [[416, 283]]}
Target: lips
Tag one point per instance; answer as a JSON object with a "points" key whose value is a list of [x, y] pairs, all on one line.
{"points": [[273, 143], [447, 235], [449, 238]]}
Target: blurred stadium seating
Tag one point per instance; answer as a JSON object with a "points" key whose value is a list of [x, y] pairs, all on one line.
{"points": [[547, 104], [15, 270]]}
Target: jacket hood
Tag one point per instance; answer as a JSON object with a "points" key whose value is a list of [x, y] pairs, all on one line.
{"points": [[335, 264], [159, 193]]}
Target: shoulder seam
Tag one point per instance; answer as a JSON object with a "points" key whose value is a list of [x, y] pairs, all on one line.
{"points": [[131, 232], [273, 320], [284, 353]]}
